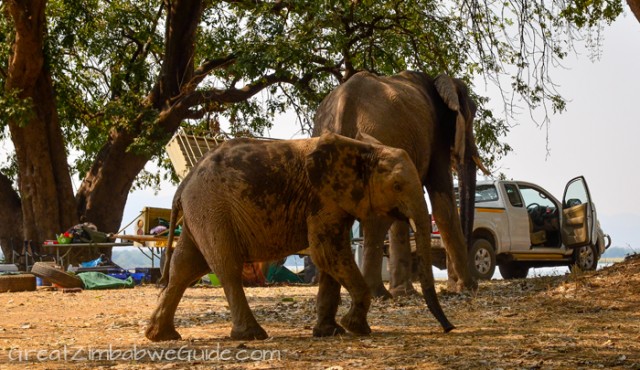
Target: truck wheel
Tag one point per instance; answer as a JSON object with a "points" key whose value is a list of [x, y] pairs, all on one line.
{"points": [[482, 259], [585, 258], [513, 270]]}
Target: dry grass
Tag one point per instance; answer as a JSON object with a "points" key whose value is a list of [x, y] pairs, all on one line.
{"points": [[588, 321]]}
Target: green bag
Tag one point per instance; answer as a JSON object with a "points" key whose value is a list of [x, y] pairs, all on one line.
{"points": [[93, 236]]}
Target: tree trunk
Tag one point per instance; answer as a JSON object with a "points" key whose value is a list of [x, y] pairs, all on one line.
{"points": [[48, 205], [103, 193], [10, 218], [104, 190], [635, 8]]}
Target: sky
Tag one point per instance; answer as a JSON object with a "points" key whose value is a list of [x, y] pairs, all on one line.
{"points": [[598, 136]]}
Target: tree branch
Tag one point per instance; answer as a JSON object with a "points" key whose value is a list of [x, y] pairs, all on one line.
{"points": [[209, 65], [233, 95]]}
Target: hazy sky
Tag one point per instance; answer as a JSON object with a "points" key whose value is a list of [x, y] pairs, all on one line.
{"points": [[598, 136]]}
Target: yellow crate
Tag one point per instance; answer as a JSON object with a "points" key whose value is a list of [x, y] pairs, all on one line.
{"points": [[149, 219]]}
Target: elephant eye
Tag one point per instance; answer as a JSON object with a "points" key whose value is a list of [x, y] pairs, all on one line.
{"points": [[397, 187]]}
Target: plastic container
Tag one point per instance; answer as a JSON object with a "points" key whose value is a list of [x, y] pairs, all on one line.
{"points": [[118, 273], [152, 274], [42, 282], [138, 277], [63, 239]]}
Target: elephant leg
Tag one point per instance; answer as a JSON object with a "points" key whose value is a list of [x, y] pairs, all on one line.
{"points": [[454, 284], [439, 185], [374, 234], [400, 260], [344, 270], [327, 306], [187, 265], [245, 326]]}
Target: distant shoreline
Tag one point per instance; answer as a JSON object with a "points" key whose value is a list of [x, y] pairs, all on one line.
{"points": [[611, 259]]}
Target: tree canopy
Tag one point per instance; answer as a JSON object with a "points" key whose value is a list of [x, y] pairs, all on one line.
{"points": [[99, 87]]}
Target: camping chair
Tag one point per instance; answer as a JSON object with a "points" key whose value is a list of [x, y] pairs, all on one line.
{"points": [[29, 254], [19, 256]]}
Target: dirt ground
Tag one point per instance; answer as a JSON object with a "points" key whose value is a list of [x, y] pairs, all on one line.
{"points": [[576, 321]]}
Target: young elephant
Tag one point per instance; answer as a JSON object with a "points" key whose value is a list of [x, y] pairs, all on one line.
{"points": [[252, 200]]}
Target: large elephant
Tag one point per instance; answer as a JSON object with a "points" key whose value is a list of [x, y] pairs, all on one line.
{"points": [[432, 120], [252, 200]]}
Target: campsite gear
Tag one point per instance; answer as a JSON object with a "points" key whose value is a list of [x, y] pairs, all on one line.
{"points": [[213, 278], [8, 267], [281, 274], [151, 274], [87, 233], [98, 280], [53, 274], [65, 238]]}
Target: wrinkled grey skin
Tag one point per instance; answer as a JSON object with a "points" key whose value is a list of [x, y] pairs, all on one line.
{"points": [[432, 120], [252, 200]]}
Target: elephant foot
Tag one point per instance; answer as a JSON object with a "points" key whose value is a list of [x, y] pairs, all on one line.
{"points": [[455, 286], [381, 292], [404, 292], [156, 334], [328, 330], [471, 287], [458, 286], [356, 324], [251, 333]]}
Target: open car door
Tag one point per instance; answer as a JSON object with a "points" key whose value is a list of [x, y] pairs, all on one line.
{"points": [[577, 214]]}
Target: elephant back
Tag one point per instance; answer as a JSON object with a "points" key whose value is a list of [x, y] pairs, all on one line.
{"points": [[396, 110]]}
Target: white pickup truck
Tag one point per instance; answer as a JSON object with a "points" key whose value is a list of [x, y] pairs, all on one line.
{"points": [[519, 225]]}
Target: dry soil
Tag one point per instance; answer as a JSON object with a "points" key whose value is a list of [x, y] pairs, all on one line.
{"points": [[576, 321]]}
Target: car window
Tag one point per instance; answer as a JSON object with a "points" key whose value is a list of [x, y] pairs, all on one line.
{"points": [[513, 194], [486, 193], [533, 195], [575, 194]]}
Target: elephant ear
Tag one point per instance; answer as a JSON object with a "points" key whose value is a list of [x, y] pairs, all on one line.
{"points": [[366, 138], [447, 89], [339, 168]]}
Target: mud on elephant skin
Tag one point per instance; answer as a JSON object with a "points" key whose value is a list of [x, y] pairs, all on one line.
{"points": [[252, 200], [432, 120]]}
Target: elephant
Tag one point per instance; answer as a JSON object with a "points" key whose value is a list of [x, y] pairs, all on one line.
{"points": [[258, 200], [432, 120]]}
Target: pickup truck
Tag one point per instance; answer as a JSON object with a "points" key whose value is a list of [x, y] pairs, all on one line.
{"points": [[519, 225]]}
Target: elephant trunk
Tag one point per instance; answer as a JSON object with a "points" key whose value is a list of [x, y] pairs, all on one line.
{"points": [[467, 192], [422, 228], [466, 169]]}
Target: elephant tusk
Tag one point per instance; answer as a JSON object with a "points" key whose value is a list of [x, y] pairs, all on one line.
{"points": [[480, 165], [412, 223]]}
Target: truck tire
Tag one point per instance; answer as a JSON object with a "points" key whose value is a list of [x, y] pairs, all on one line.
{"points": [[56, 276], [585, 258], [513, 270], [482, 259], [17, 283]]}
